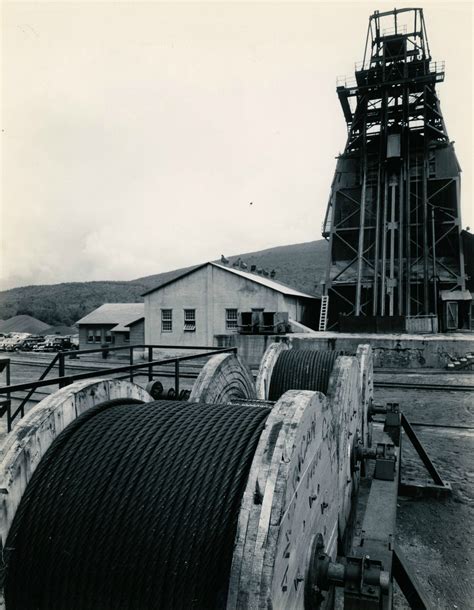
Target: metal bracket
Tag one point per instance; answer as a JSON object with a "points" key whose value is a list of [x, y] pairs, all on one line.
{"points": [[395, 422], [385, 462], [407, 582], [384, 456], [364, 580], [438, 487]]}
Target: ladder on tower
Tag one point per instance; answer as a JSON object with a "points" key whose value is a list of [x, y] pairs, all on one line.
{"points": [[323, 314]]}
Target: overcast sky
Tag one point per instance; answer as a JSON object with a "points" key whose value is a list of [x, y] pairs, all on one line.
{"points": [[135, 135]]}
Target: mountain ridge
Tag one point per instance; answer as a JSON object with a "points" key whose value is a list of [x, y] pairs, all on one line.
{"points": [[300, 266]]}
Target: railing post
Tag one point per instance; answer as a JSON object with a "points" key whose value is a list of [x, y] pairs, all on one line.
{"points": [[131, 363], [176, 377], [62, 371], [9, 398], [150, 368]]}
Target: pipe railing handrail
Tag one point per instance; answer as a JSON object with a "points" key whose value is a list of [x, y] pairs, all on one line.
{"points": [[67, 379], [97, 350], [21, 408]]}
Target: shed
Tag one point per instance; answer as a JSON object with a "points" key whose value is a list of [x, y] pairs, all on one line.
{"points": [[108, 324]]}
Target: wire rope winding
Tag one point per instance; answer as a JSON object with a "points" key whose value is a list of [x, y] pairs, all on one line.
{"points": [[134, 506], [301, 369]]}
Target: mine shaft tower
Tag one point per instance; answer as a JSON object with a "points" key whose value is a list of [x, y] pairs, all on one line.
{"points": [[393, 218]]}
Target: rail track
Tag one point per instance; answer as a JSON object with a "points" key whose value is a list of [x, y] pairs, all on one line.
{"points": [[443, 387]]}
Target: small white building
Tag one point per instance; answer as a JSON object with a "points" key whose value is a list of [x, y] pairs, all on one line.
{"points": [[212, 299]]}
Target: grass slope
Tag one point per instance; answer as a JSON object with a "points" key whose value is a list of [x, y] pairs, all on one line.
{"points": [[299, 265]]}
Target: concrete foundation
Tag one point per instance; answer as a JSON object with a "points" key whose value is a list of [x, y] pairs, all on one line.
{"points": [[408, 351]]}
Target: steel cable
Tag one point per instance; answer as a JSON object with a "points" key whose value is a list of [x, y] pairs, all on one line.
{"points": [[301, 369], [134, 506]]}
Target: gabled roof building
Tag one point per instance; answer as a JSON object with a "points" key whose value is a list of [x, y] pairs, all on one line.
{"points": [[212, 300], [109, 324]]}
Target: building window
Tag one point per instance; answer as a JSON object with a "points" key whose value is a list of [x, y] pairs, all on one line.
{"points": [[231, 319], [190, 320], [97, 335], [126, 337], [166, 320], [108, 336], [90, 335]]}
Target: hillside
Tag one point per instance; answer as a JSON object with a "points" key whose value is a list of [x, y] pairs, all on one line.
{"points": [[299, 265]]}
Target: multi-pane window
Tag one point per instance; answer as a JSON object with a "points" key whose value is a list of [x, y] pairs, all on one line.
{"points": [[108, 336], [90, 335], [231, 319], [166, 320], [190, 320], [98, 335], [126, 337]]}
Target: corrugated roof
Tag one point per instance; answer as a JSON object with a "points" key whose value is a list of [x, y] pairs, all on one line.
{"points": [[265, 281], [115, 313], [258, 279]]}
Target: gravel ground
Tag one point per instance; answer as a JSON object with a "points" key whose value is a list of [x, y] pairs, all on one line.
{"points": [[436, 534]]}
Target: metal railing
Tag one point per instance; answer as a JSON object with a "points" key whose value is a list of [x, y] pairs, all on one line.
{"points": [[436, 67], [348, 82], [5, 403], [131, 369]]}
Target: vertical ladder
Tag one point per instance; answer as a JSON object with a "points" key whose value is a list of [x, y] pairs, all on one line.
{"points": [[323, 315]]}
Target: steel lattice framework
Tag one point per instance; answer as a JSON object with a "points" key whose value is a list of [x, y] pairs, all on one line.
{"points": [[393, 217]]}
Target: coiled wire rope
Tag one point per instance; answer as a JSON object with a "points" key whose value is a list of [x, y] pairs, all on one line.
{"points": [[301, 369], [134, 506]]}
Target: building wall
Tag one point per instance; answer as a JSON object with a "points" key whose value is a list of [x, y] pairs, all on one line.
{"points": [[210, 291], [121, 339], [305, 311], [99, 330], [137, 333]]}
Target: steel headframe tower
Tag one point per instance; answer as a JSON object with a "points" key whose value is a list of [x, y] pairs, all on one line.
{"points": [[393, 218]]}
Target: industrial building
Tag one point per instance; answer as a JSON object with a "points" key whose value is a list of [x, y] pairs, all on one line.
{"points": [[214, 299], [112, 324], [393, 220]]}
